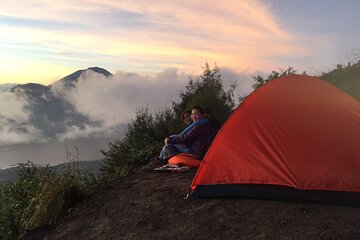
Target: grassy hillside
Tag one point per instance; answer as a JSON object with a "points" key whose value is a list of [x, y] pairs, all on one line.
{"points": [[346, 78]]}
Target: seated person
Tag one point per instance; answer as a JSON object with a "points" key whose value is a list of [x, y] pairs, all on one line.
{"points": [[186, 117], [195, 139]]}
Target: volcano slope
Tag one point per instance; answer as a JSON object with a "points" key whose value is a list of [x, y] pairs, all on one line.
{"points": [[151, 205]]}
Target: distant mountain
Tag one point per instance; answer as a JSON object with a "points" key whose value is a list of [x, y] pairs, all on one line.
{"points": [[346, 78], [8, 175], [52, 113], [71, 80], [93, 167]]}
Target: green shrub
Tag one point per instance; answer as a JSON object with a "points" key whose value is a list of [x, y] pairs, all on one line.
{"points": [[346, 78], [40, 196], [142, 141], [15, 198]]}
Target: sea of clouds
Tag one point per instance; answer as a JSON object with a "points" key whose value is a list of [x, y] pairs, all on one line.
{"points": [[109, 104]]}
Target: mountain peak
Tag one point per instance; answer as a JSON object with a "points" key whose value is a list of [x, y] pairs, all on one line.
{"points": [[30, 88], [100, 70], [70, 80]]}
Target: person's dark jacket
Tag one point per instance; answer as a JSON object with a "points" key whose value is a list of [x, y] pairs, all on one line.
{"points": [[198, 139], [214, 123]]}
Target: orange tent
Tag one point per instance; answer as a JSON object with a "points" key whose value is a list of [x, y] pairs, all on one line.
{"points": [[297, 137]]}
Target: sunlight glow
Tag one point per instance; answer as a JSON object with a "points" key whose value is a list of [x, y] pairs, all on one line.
{"points": [[47, 39]]}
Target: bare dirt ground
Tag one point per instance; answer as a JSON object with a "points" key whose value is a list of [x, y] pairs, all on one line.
{"points": [[151, 205]]}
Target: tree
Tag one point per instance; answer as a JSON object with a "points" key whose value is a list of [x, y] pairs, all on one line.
{"points": [[135, 148], [208, 92], [259, 80]]}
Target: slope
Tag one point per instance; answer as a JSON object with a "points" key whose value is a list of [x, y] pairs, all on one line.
{"points": [[150, 205], [346, 78]]}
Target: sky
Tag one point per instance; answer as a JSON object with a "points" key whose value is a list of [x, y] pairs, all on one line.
{"points": [[152, 50], [42, 41]]}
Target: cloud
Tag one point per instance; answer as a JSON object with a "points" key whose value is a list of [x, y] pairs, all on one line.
{"points": [[6, 87], [12, 107], [35, 125], [88, 132], [14, 120], [243, 81], [38, 23], [10, 135], [113, 100], [96, 107], [144, 37]]}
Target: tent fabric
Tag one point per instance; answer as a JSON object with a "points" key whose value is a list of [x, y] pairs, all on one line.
{"points": [[296, 132]]}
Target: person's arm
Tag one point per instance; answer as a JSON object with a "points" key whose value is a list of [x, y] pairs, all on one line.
{"points": [[187, 137]]}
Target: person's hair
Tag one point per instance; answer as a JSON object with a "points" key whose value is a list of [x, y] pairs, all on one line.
{"points": [[200, 109], [185, 112]]}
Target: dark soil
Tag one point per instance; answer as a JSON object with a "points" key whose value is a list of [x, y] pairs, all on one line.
{"points": [[151, 205]]}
